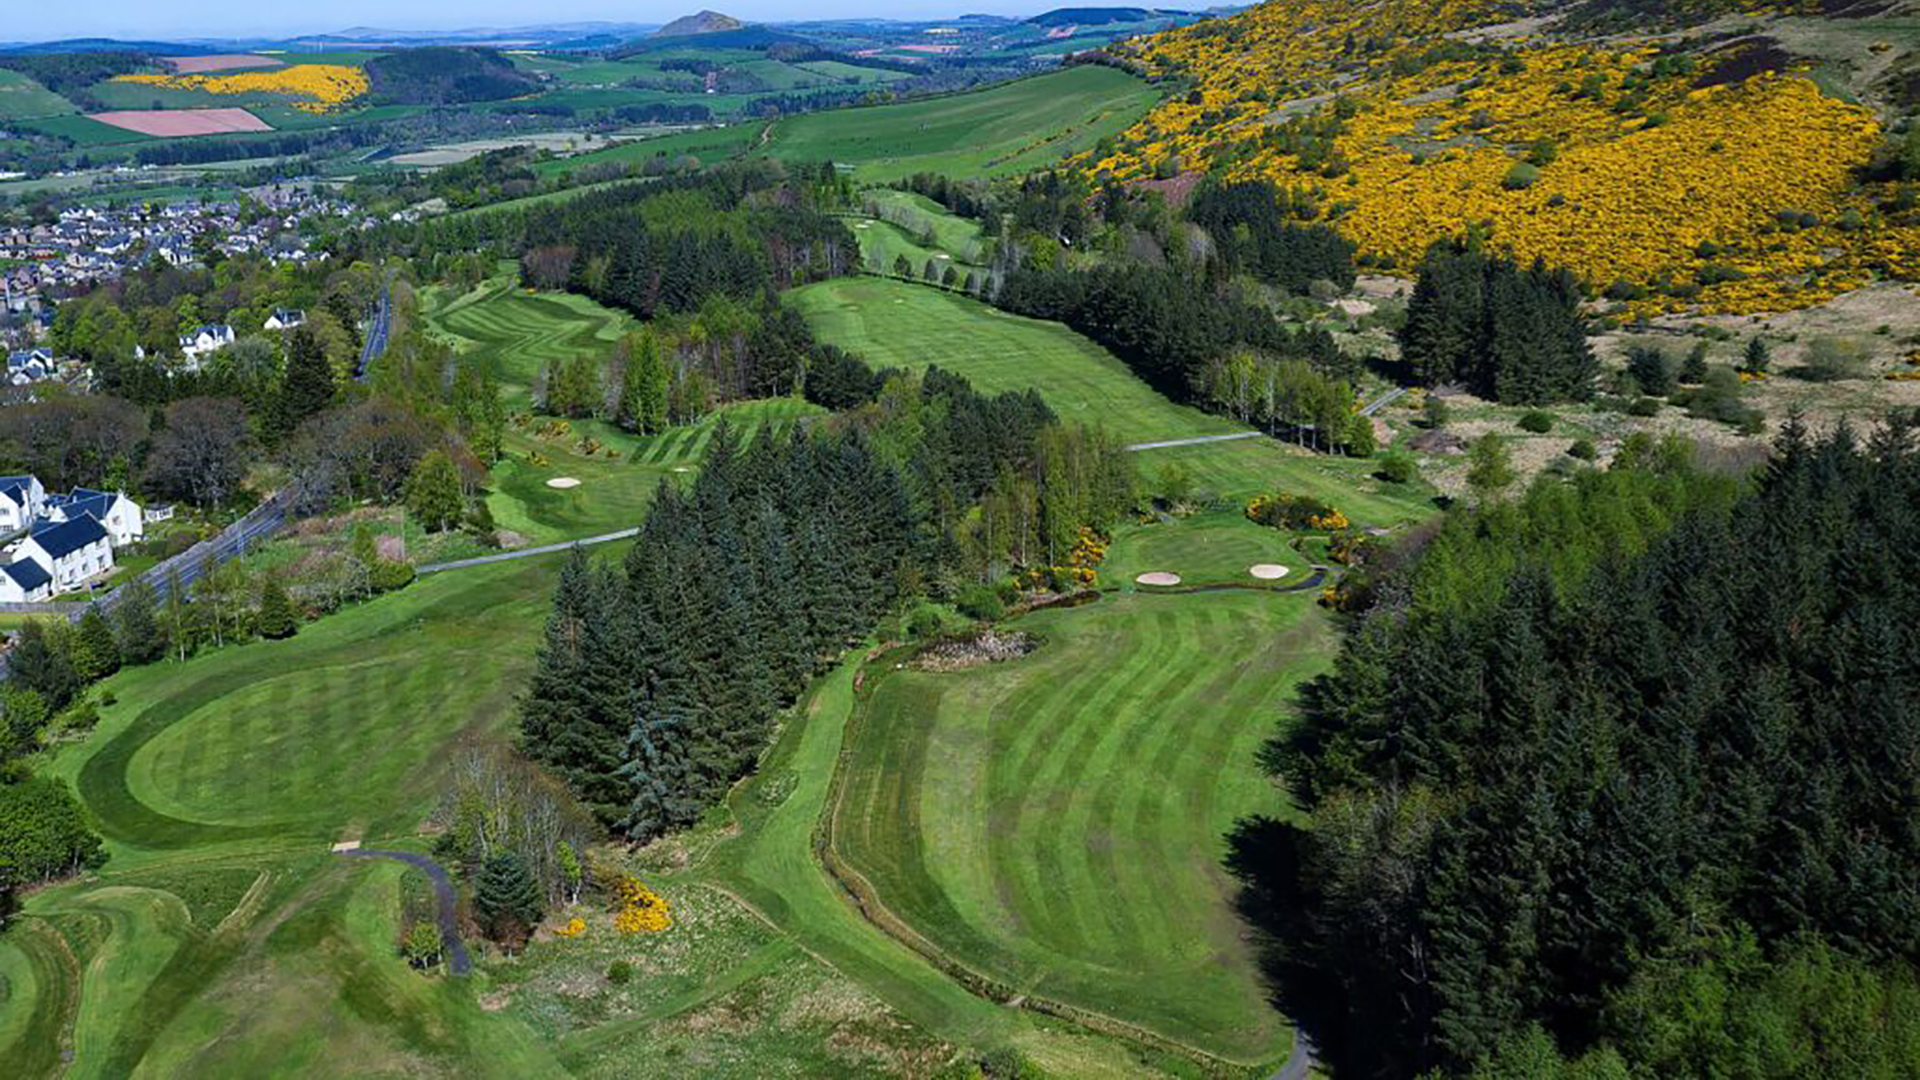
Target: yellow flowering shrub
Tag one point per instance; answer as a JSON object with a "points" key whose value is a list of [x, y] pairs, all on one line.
{"points": [[320, 87], [1607, 160], [642, 911], [574, 928]]}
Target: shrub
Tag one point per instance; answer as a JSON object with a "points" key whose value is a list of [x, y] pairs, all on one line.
{"points": [[620, 973], [1537, 421], [1523, 175], [1583, 449], [1644, 406], [1398, 467], [1831, 359], [1693, 370], [1288, 511], [980, 602], [925, 622]]}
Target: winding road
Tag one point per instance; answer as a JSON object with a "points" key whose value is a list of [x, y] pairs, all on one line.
{"points": [[458, 961]]}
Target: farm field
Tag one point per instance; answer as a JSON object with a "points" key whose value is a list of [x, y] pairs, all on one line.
{"points": [[1000, 131], [709, 145], [1056, 822], [22, 98]]}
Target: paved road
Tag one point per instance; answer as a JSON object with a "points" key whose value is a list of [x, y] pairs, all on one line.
{"points": [[1300, 1061], [458, 961], [1195, 442], [525, 553], [377, 333], [1384, 400]]}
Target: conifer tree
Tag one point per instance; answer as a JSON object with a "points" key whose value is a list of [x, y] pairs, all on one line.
{"points": [[137, 626], [277, 618], [1757, 358], [308, 384], [96, 654], [644, 386], [507, 898]]}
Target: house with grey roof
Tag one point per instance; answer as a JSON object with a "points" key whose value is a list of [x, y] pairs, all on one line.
{"points": [[22, 499], [72, 552]]}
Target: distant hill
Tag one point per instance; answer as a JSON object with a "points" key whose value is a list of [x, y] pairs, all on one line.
{"points": [[1091, 16], [706, 22], [445, 75], [755, 38]]}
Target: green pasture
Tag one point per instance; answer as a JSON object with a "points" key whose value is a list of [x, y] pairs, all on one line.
{"points": [[710, 145], [1000, 131], [83, 130], [22, 98], [841, 71], [1056, 822]]}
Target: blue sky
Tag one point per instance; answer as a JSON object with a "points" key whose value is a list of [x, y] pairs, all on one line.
{"points": [[27, 20]]}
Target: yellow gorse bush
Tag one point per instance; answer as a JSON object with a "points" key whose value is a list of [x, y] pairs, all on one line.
{"points": [[574, 928], [324, 87], [1684, 191], [642, 911]]}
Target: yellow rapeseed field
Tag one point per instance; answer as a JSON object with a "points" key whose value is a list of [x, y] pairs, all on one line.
{"points": [[1731, 198], [324, 87]]}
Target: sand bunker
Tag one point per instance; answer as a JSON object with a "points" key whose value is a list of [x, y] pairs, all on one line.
{"points": [[1158, 577], [563, 482], [1267, 571]]}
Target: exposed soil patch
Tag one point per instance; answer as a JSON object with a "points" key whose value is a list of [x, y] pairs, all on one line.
{"points": [[181, 123], [990, 647], [195, 65]]}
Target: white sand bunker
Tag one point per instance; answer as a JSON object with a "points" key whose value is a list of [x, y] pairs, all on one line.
{"points": [[1267, 571], [1158, 577], [681, 468], [563, 482]]}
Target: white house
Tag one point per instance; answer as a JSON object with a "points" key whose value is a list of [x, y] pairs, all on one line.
{"points": [[205, 340], [25, 582], [121, 516], [71, 552], [28, 366], [285, 319], [21, 500]]}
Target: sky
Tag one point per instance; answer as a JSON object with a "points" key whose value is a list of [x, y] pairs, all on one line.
{"points": [[26, 20]]}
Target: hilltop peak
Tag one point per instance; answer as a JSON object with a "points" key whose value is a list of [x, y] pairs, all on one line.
{"points": [[704, 22]]}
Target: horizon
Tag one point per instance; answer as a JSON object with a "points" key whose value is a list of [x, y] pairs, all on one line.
{"points": [[222, 20]]}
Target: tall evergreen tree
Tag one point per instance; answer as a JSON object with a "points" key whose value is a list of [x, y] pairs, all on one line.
{"points": [[308, 386]]}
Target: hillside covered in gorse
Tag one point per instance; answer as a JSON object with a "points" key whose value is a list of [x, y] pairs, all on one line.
{"points": [[1714, 156]]}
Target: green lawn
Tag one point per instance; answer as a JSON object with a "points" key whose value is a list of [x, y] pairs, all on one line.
{"points": [[1001, 131], [221, 939], [1056, 822], [517, 334], [22, 98], [911, 326], [83, 130], [1215, 548]]}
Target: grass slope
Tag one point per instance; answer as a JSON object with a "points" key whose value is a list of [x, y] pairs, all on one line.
{"points": [[1000, 131], [516, 335], [898, 324], [1057, 823], [22, 98]]}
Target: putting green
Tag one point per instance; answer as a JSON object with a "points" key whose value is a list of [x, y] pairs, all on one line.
{"points": [[1057, 821]]}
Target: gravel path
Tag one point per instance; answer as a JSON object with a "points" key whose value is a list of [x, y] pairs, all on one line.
{"points": [[526, 553], [457, 960]]}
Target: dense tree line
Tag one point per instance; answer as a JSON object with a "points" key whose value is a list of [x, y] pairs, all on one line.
{"points": [[658, 684], [1163, 324], [1252, 231], [445, 75], [1626, 772], [1510, 333]]}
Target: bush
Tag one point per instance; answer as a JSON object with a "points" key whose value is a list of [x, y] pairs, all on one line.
{"points": [[1644, 406], [980, 602], [620, 973], [925, 622], [1537, 421], [1398, 467], [1523, 175], [1583, 449], [1831, 359]]}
